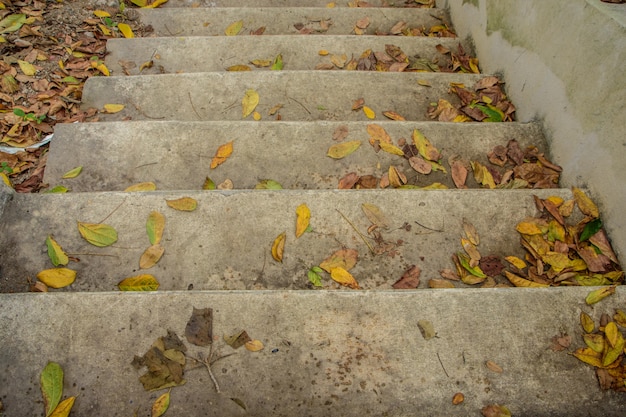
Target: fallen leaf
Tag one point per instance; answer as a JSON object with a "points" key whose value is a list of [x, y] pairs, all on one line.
{"points": [[277, 65], [393, 115], [100, 235], [495, 410], [470, 232], [378, 133], [57, 189], [64, 408], [237, 340], [424, 147], [126, 30], [221, 154], [458, 398], [420, 165], [303, 216], [585, 204], [341, 150], [348, 181], [238, 68], [343, 277], [516, 262], [339, 60], [101, 13], [55, 252], [560, 343], [522, 282], [389, 148], [440, 283], [268, 185], [151, 256], [199, 329], [426, 329], [161, 405], [227, 184], [323, 52], [155, 225], [586, 322], [482, 175], [249, 102], [375, 215], [234, 28], [492, 366], [27, 68], [256, 116], [314, 276], [396, 178], [369, 113], [239, 403], [51, 381], [141, 187], [589, 356], [599, 294], [113, 108], [423, 83], [73, 173], [143, 282], [409, 280], [208, 184], [459, 174], [620, 317], [254, 345], [278, 247], [261, 63], [183, 204]]}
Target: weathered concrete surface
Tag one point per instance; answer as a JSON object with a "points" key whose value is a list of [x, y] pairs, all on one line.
{"points": [[277, 3], [207, 21], [545, 51], [177, 155], [225, 243], [326, 353], [5, 195], [304, 95], [213, 53]]}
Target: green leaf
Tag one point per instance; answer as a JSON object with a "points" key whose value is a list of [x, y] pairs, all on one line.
{"points": [[57, 190], [55, 252], [73, 173], [100, 235], [278, 63], [591, 229], [51, 380], [208, 184], [12, 23], [314, 276], [465, 263], [144, 282], [19, 112], [70, 80], [155, 226], [268, 185], [493, 113]]}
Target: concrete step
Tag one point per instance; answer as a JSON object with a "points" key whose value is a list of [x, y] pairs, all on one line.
{"points": [[177, 155], [245, 4], [211, 21], [304, 95], [346, 354], [204, 54], [225, 244]]}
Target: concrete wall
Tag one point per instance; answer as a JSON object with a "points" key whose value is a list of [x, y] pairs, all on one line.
{"points": [[563, 61]]}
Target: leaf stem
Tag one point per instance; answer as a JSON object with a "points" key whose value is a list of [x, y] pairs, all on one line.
{"points": [[357, 230]]}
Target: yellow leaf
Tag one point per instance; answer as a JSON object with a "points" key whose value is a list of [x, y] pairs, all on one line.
{"points": [[57, 277], [103, 69], [113, 108], [344, 258], [323, 52], [341, 150], [620, 317], [105, 30], [27, 68], [73, 173], [256, 116], [100, 235], [595, 341], [612, 333], [378, 133], [144, 282], [155, 225], [249, 102], [55, 252], [558, 261], [521, 282], [424, 147], [470, 232], [470, 249], [369, 113], [586, 322], [556, 200], [64, 408], [101, 13], [303, 216], [482, 175], [343, 277], [516, 262], [599, 294], [330, 5], [589, 356], [141, 187], [5, 180], [278, 247], [239, 68], [126, 30], [155, 4], [529, 227], [585, 204], [222, 153], [234, 28], [254, 345], [614, 353], [396, 178], [339, 60], [261, 62], [183, 204], [389, 148], [161, 405], [423, 83], [151, 256]]}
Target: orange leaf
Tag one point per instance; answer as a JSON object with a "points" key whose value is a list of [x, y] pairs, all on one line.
{"points": [[222, 153]]}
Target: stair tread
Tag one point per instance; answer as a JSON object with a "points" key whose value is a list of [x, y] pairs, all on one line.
{"points": [[326, 353], [177, 155]]}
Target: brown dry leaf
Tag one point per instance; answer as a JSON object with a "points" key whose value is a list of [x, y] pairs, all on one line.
{"points": [[237, 340], [471, 249], [199, 328], [344, 258], [343, 277], [375, 215], [409, 280], [459, 174], [358, 104], [522, 282], [560, 343], [495, 410], [303, 216], [221, 154], [254, 345], [470, 232], [348, 181], [420, 165], [492, 366], [341, 150], [458, 398], [151, 256], [393, 115], [440, 283], [340, 133], [278, 247], [363, 23], [227, 184], [378, 133]]}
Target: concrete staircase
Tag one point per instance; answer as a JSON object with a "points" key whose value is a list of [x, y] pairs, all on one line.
{"points": [[333, 351]]}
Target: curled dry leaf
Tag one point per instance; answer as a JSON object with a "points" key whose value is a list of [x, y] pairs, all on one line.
{"points": [[254, 345], [221, 154], [278, 247], [393, 115], [458, 398], [303, 217], [440, 283]]}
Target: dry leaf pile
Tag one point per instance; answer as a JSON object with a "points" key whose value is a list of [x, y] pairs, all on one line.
{"points": [[49, 50], [559, 251], [485, 102]]}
